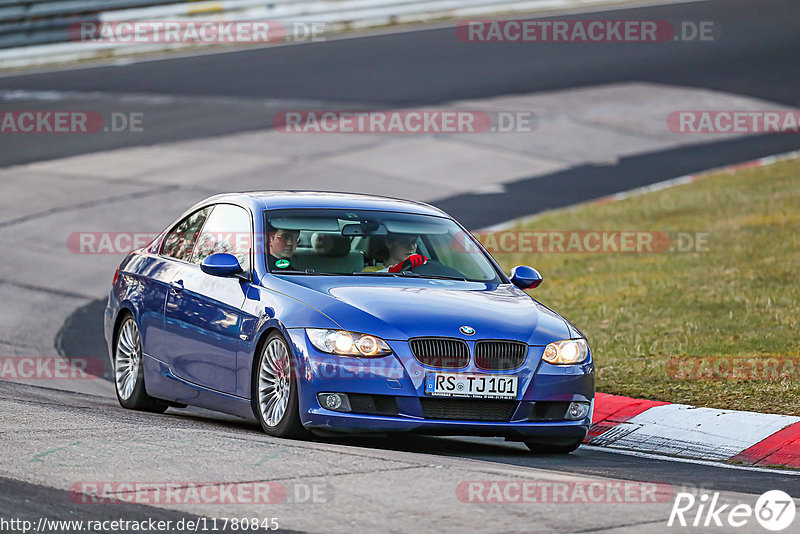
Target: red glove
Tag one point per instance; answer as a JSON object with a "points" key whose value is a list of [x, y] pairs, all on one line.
{"points": [[411, 262]]}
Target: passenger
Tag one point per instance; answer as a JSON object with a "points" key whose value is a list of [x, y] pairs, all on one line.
{"points": [[396, 252], [282, 246]]}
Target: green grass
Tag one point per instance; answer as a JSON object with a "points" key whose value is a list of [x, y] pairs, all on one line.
{"points": [[739, 298]]}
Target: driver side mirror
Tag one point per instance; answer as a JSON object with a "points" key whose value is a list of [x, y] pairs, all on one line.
{"points": [[525, 277], [221, 264]]}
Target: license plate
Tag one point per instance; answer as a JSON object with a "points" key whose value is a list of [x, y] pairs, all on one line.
{"points": [[476, 386]]}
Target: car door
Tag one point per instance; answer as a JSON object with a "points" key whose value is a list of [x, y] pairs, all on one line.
{"points": [[174, 252], [203, 313]]}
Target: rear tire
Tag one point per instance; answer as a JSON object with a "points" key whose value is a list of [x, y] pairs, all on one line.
{"points": [[543, 447], [129, 370], [275, 398]]}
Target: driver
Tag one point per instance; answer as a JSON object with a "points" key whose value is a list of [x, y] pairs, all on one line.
{"points": [[282, 246], [399, 254]]}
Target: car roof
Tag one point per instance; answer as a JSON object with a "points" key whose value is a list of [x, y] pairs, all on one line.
{"points": [[328, 199]]}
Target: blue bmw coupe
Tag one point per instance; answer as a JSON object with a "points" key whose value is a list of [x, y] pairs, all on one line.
{"points": [[341, 313]]}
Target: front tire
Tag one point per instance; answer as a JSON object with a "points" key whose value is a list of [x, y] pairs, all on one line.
{"points": [[129, 370], [275, 395]]}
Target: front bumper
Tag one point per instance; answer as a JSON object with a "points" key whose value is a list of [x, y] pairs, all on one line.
{"points": [[399, 379], [337, 422]]}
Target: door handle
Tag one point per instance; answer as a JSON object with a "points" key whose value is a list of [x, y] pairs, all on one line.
{"points": [[176, 286]]}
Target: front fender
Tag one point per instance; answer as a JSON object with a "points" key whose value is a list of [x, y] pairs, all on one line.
{"points": [[265, 311]]}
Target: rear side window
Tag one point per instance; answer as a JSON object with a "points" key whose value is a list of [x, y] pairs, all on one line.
{"points": [[180, 240], [228, 229]]}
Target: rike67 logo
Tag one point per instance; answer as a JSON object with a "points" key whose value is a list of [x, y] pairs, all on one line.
{"points": [[774, 510]]}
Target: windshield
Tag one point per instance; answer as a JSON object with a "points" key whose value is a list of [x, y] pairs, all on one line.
{"points": [[372, 243]]}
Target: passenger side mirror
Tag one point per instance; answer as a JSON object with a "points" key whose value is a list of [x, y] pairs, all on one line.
{"points": [[221, 264], [525, 277]]}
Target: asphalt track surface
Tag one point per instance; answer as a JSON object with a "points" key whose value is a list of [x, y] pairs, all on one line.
{"points": [[30, 501], [755, 56]]}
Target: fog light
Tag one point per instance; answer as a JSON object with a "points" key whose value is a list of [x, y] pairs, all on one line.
{"points": [[333, 401], [577, 411], [337, 402]]}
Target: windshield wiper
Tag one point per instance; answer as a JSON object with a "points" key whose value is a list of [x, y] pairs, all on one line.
{"points": [[312, 272], [372, 273], [307, 271], [434, 276], [401, 274], [410, 275]]}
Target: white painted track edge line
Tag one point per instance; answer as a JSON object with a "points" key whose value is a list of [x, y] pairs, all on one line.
{"points": [[710, 463]]}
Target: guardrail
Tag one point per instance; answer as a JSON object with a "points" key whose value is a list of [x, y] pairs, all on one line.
{"points": [[30, 22], [34, 32]]}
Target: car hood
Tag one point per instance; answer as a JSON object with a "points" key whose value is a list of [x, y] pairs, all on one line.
{"points": [[398, 309]]}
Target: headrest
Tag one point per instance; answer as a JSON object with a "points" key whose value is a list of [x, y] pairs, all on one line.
{"points": [[330, 244]]}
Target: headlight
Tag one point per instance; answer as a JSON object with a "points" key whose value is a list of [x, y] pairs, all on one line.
{"points": [[346, 343], [566, 352]]}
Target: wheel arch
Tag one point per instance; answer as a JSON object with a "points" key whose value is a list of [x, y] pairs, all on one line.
{"points": [[125, 310], [262, 339]]}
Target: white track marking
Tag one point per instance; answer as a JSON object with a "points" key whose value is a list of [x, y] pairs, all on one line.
{"points": [[705, 433], [710, 463]]}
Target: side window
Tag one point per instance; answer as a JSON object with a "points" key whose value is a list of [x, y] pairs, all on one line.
{"points": [[227, 229], [180, 241]]}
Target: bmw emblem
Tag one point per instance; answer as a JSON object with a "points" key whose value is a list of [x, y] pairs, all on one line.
{"points": [[467, 330]]}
